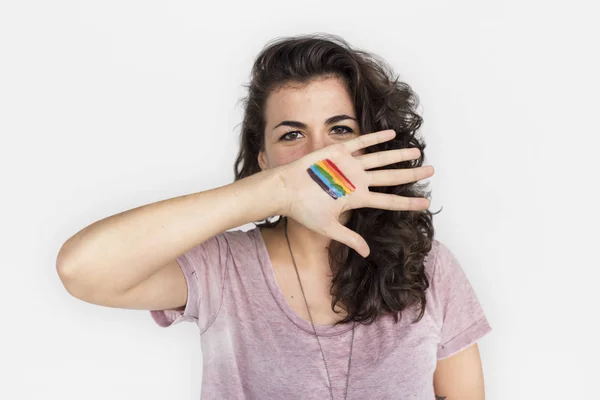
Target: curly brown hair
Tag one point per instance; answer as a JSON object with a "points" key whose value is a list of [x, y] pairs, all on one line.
{"points": [[392, 277]]}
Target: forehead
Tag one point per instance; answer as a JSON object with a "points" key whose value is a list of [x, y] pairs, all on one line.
{"points": [[311, 103]]}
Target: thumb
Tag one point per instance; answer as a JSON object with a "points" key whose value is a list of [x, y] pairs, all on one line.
{"points": [[340, 233]]}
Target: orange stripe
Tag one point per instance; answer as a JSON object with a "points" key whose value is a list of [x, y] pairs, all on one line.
{"points": [[334, 174], [339, 172]]}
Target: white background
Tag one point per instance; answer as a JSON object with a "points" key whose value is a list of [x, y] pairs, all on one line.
{"points": [[107, 106]]}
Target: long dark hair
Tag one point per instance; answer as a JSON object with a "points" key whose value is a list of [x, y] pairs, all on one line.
{"points": [[392, 277]]}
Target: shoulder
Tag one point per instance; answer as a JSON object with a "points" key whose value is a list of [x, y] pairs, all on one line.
{"points": [[239, 241], [235, 236], [438, 252], [218, 247], [443, 268]]}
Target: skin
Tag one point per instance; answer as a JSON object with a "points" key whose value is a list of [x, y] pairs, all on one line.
{"points": [[311, 104], [459, 377]]}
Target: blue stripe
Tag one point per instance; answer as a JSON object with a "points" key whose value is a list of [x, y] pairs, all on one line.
{"points": [[325, 181]]}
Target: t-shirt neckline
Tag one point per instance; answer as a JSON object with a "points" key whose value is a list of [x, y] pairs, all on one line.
{"points": [[277, 293]]}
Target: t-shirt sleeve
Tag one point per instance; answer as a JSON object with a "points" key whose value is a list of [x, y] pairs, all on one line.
{"points": [[204, 269], [463, 320]]}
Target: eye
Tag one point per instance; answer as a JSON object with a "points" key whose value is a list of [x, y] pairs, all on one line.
{"points": [[337, 127], [348, 130], [282, 138]]}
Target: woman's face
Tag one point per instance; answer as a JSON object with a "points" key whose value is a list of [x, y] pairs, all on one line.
{"points": [[305, 119]]}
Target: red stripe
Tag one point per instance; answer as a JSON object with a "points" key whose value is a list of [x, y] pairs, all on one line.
{"points": [[328, 161]]}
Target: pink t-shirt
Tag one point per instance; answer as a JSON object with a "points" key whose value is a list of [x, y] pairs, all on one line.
{"points": [[255, 346]]}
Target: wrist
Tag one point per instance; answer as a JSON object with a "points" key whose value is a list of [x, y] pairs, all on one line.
{"points": [[276, 191]]}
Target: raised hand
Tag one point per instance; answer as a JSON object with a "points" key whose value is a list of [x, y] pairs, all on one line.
{"points": [[325, 183]]}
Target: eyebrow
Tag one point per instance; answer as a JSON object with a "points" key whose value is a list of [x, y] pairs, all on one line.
{"points": [[301, 125]]}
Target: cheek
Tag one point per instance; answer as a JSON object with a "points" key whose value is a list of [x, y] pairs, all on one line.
{"points": [[286, 157]]}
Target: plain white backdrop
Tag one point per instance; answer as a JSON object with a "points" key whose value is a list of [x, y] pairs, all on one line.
{"points": [[107, 106]]}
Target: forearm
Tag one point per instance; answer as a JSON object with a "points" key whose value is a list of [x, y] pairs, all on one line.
{"points": [[127, 248]]}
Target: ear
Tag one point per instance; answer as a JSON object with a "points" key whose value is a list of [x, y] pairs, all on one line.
{"points": [[262, 160]]}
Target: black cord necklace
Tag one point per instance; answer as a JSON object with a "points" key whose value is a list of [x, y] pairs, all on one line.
{"points": [[313, 325]]}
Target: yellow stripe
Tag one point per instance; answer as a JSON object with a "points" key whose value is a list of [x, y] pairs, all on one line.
{"points": [[339, 180]]}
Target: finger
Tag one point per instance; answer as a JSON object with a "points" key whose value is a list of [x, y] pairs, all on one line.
{"points": [[340, 233], [369, 139], [393, 177], [393, 202], [387, 157]]}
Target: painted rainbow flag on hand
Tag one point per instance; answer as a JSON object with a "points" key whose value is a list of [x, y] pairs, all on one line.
{"points": [[330, 178]]}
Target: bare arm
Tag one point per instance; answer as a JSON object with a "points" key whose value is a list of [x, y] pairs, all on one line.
{"points": [[119, 252], [460, 377]]}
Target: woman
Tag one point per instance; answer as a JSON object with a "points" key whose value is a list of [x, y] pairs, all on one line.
{"points": [[346, 294]]}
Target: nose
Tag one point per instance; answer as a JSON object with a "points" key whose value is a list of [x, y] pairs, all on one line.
{"points": [[317, 142]]}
